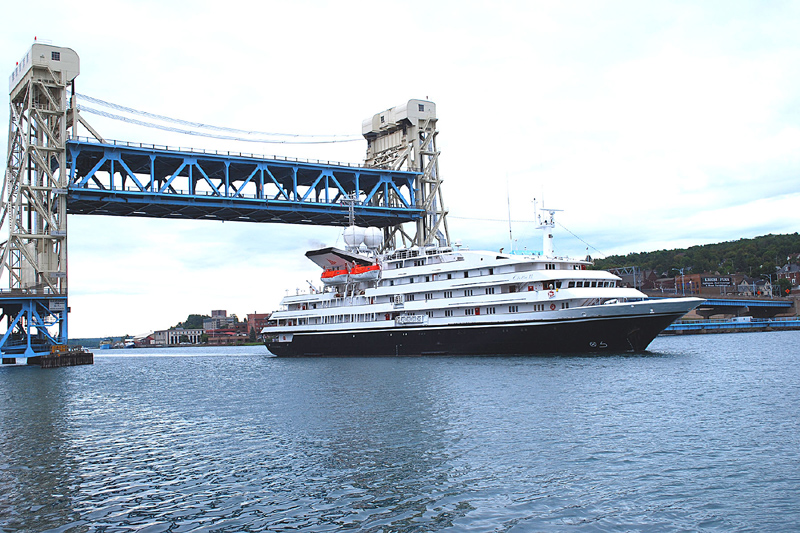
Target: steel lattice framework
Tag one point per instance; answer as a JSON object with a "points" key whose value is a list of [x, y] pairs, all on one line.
{"points": [[127, 179], [404, 138], [35, 198]]}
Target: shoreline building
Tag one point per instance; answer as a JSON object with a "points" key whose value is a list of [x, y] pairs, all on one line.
{"points": [[173, 337]]}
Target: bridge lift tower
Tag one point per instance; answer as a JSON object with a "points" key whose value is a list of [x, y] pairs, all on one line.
{"points": [[34, 201], [404, 138]]}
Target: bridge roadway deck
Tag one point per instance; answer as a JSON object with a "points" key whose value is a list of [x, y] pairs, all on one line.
{"points": [[733, 302], [125, 179]]}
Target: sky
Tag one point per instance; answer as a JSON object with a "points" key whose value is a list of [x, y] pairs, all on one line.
{"points": [[653, 125]]}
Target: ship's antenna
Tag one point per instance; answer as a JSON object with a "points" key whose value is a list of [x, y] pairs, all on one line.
{"points": [[508, 201]]}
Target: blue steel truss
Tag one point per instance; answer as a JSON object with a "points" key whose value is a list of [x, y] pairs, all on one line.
{"points": [[125, 179], [730, 302], [30, 321]]}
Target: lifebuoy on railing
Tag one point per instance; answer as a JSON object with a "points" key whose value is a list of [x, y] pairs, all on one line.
{"points": [[551, 294], [552, 307]]}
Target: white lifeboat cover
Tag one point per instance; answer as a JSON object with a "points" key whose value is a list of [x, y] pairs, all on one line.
{"points": [[334, 257]]}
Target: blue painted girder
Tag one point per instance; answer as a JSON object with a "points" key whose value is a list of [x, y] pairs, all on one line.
{"points": [[31, 326], [148, 181]]}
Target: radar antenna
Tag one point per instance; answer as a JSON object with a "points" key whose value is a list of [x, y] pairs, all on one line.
{"points": [[547, 221]]}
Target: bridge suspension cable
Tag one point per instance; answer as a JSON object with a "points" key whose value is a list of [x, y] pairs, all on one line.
{"points": [[198, 127]]}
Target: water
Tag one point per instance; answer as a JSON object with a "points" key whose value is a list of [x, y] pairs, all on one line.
{"points": [[698, 434]]}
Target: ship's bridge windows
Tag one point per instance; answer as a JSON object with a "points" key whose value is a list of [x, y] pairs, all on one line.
{"points": [[571, 285]]}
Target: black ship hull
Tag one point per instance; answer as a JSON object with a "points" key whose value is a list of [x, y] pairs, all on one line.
{"points": [[575, 335]]}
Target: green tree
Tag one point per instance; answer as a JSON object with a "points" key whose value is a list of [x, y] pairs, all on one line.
{"points": [[193, 322], [784, 287]]}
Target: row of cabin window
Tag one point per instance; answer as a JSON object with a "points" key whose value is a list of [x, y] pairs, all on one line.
{"points": [[573, 284], [449, 294], [371, 317], [433, 277], [491, 290]]}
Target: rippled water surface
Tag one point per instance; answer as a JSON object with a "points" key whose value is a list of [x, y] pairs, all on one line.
{"points": [[699, 433]]}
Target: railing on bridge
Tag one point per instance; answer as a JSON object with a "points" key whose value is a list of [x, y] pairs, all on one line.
{"points": [[730, 325], [126, 179]]}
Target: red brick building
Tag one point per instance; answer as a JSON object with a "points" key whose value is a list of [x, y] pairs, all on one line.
{"points": [[258, 321]]}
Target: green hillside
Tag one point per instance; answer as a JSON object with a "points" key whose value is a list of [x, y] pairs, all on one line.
{"points": [[755, 257]]}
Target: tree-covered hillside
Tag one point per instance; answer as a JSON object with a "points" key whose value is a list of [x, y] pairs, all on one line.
{"points": [[756, 257], [193, 322]]}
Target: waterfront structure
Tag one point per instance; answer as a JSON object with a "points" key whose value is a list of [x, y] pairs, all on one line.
{"points": [[257, 321], [176, 336], [227, 336], [35, 200]]}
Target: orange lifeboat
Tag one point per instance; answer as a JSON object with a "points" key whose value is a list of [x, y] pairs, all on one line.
{"points": [[334, 276], [365, 273]]}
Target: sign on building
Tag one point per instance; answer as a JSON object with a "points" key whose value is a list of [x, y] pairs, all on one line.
{"points": [[716, 281]]}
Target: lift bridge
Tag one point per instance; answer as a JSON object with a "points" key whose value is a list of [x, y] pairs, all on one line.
{"points": [[51, 172]]}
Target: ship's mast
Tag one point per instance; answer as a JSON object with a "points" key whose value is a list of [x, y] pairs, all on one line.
{"points": [[547, 222]]}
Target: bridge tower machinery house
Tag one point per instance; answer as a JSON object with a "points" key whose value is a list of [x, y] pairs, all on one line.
{"points": [[34, 199], [404, 138]]}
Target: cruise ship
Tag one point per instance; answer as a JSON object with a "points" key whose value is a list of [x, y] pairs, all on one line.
{"points": [[454, 301]]}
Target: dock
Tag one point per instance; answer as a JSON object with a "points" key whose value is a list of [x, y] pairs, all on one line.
{"points": [[61, 356], [736, 325]]}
